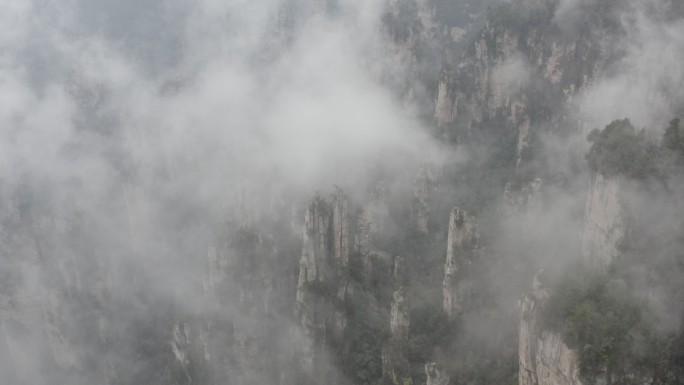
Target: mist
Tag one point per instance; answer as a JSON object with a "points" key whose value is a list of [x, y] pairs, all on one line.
{"points": [[167, 167], [137, 134]]}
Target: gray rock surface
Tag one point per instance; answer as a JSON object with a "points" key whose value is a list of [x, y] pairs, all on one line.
{"points": [[604, 222], [462, 244]]}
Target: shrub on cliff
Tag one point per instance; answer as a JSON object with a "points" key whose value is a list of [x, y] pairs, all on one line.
{"points": [[606, 324], [620, 150]]}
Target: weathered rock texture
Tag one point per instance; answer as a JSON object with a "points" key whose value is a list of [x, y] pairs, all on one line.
{"points": [[395, 365], [544, 358], [436, 375], [604, 220], [462, 245], [528, 200], [340, 230], [516, 78], [322, 268], [394, 357], [59, 303]]}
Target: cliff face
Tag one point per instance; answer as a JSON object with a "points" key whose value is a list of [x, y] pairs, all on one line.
{"points": [[462, 245], [527, 201], [519, 74], [233, 322], [543, 357], [419, 34], [227, 336], [371, 221], [322, 280], [604, 220], [395, 365], [517, 81], [435, 375], [394, 356]]}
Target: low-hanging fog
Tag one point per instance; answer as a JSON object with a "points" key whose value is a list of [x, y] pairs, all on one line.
{"points": [[132, 131], [158, 160]]}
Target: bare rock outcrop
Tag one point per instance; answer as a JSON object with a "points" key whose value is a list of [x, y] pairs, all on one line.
{"points": [[604, 220], [371, 222], [395, 365], [544, 359], [435, 374], [322, 278], [340, 229], [501, 75], [462, 244], [526, 200], [181, 347]]}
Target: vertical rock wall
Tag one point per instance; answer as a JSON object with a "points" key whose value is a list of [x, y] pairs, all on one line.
{"points": [[395, 365], [604, 222], [322, 278], [462, 244], [500, 80], [544, 359], [340, 231]]}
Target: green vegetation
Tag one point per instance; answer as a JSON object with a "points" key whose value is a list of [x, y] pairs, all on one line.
{"points": [[612, 330], [361, 354], [620, 150], [601, 319], [360, 349], [672, 147], [616, 319], [481, 368], [430, 330], [672, 139]]}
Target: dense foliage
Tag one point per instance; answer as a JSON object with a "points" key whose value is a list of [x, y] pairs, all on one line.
{"points": [[620, 150], [367, 330], [672, 147], [600, 318], [613, 330], [625, 323]]}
